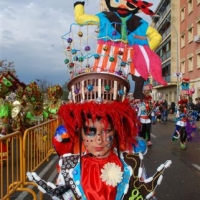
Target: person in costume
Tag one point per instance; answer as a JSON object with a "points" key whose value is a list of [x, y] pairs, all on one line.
{"points": [[125, 40], [107, 131], [107, 164], [181, 122], [146, 114]]}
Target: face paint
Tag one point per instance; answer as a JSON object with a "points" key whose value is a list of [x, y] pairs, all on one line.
{"points": [[97, 139]]}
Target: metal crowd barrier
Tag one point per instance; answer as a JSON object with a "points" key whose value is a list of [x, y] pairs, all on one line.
{"points": [[20, 153]]}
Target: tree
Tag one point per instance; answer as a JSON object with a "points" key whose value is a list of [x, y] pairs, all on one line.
{"points": [[7, 67], [65, 91], [43, 84]]}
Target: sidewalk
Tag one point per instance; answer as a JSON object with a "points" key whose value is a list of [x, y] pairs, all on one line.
{"points": [[171, 117]]}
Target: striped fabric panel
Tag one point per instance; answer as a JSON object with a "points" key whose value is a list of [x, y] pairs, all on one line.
{"points": [[103, 63]]}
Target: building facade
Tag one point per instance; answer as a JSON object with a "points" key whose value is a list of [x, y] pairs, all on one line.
{"points": [[179, 24], [190, 43], [167, 22]]}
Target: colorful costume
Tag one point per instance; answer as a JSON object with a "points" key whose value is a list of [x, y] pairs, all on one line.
{"points": [[181, 122], [102, 124], [125, 43], [53, 102], [115, 176], [146, 115], [35, 114]]}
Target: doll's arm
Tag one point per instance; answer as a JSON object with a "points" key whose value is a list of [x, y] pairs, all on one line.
{"points": [[82, 18], [154, 38]]}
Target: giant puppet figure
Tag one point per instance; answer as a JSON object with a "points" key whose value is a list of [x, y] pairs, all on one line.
{"points": [[125, 40]]}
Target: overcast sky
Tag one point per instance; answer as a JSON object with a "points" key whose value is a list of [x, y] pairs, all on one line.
{"points": [[30, 36]]}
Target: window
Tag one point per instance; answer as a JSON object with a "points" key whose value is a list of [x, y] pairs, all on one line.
{"points": [[168, 46], [190, 6], [182, 14], [183, 66], [198, 58], [190, 62], [190, 33], [198, 26], [182, 40]]}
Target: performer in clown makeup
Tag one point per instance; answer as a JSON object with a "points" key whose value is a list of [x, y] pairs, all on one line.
{"points": [[97, 139], [107, 168], [125, 41], [105, 127]]}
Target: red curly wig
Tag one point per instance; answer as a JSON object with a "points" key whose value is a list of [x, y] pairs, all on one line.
{"points": [[120, 114]]}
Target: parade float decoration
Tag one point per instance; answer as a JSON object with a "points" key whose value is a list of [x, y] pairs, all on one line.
{"points": [[187, 89], [8, 83], [54, 101], [148, 87], [35, 113], [116, 42]]}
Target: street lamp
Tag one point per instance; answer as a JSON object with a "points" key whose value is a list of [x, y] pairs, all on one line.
{"points": [[178, 74]]}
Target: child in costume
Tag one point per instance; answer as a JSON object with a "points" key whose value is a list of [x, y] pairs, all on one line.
{"points": [[108, 168], [102, 124]]}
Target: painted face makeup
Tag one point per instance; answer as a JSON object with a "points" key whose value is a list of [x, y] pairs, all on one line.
{"points": [[97, 139]]}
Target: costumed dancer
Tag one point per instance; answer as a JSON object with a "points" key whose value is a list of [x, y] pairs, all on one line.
{"points": [[105, 128], [185, 124], [145, 114], [125, 41], [181, 119], [107, 131]]}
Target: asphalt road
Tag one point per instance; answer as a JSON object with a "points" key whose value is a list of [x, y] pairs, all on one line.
{"points": [[180, 182]]}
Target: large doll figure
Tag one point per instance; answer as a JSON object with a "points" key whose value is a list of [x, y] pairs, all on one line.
{"points": [[125, 41]]}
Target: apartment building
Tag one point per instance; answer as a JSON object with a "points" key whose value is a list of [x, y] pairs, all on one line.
{"points": [[190, 43], [167, 22], [179, 24]]}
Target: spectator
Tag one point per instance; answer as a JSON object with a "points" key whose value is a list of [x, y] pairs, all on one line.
{"points": [[191, 105], [164, 111], [172, 107]]}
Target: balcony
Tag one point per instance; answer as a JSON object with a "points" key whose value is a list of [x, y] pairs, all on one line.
{"points": [[166, 78]]}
